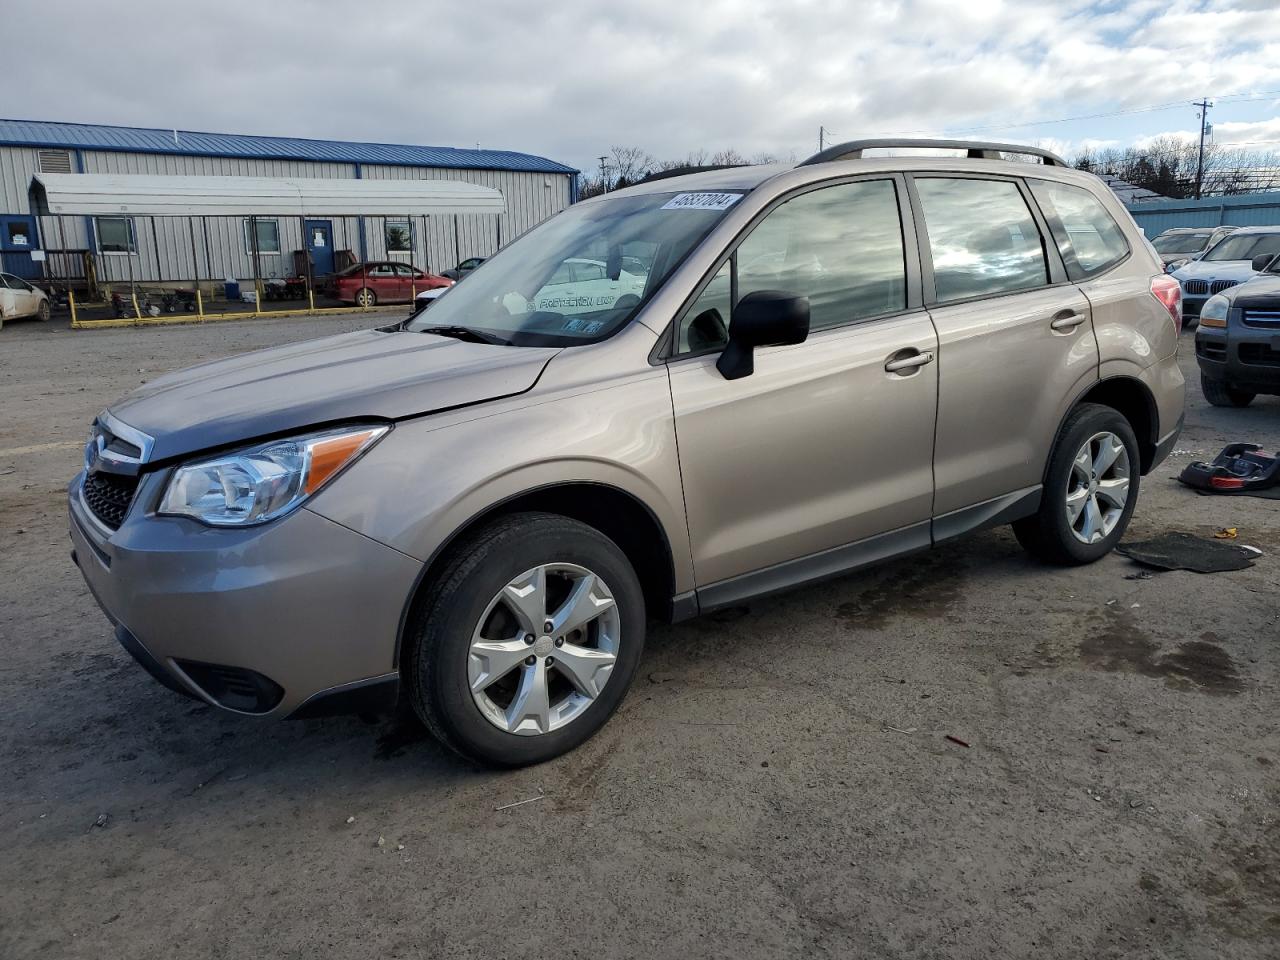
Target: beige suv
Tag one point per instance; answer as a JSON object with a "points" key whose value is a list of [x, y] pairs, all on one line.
{"points": [[659, 402]]}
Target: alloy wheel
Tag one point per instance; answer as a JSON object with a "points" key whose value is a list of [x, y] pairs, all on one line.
{"points": [[544, 649], [1097, 487]]}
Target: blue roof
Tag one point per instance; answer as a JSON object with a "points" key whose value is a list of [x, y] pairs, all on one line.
{"points": [[88, 136]]}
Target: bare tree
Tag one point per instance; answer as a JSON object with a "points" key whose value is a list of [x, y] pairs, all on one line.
{"points": [[1167, 166]]}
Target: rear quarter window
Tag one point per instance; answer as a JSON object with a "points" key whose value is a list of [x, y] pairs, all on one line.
{"points": [[1087, 236]]}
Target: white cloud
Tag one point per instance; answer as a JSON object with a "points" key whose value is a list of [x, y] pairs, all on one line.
{"points": [[572, 78]]}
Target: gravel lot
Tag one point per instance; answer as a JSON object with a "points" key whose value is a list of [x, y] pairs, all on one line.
{"points": [[777, 784]]}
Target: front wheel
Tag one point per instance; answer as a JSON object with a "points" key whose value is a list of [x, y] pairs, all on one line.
{"points": [[527, 642], [366, 297], [1220, 394], [42, 311], [1090, 489]]}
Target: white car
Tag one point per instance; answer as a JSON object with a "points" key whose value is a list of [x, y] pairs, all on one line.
{"points": [[20, 299], [1229, 262]]}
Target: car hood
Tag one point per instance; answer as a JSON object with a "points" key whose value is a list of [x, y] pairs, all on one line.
{"points": [[1262, 290], [1215, 270], [369, 374]]}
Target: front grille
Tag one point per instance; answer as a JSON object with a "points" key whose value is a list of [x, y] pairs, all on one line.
{"points": [[109, 495], [1195, 287], [234, 688], [1262, 318], [1217, 286], [1260, 354], [1211, 350]]}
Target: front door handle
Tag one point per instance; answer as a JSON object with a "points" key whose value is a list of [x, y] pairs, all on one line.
{"points": [[909, 363], [1067, 320]]}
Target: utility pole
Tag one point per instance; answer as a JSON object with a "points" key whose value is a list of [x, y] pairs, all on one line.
{"points": [[1204, 106], [822, 138], [604, 180]]}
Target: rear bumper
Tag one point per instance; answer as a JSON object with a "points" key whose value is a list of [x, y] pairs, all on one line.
{"points": [[258, 621]]}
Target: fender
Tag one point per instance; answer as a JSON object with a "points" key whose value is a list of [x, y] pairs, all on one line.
{"points": [[1118, 372], [681, 573]]}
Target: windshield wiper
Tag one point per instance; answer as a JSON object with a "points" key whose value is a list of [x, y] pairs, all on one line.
{"points": [[467, 333]]}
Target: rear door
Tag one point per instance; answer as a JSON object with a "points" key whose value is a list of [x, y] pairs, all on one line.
{"points": [[794, 471], [1015, 341]]}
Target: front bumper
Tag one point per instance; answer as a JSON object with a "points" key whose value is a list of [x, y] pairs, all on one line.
{"points": [[264, 620], [1246, 357]]}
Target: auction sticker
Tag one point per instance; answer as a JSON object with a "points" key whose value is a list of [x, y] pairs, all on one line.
{"points": [[702, 201]]}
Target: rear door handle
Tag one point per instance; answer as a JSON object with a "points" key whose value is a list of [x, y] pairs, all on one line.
{"points": [[909, 363], [1067, 320]]}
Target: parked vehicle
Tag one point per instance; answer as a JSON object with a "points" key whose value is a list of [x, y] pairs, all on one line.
{"points": [[1228, 263], [1182, 244], [479, 508], [372, 283], [462, 269], [20, 299], [1238, 341]]}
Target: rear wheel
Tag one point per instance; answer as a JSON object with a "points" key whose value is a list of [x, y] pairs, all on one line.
{"points": [[1090, 489], [528, 640], [1221, 394], [366, 297]]}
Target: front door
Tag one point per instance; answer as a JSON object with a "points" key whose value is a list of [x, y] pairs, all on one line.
{"points": [[1015, 339], [17, 240], [320, 246], [828, 443]]}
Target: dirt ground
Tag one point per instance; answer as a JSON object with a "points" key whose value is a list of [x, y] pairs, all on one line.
{"points": [[779, 782]]}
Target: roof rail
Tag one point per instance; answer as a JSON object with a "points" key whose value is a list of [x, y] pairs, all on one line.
{"points": [[976, 150]]}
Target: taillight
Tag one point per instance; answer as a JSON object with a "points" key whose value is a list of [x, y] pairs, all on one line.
{"points": [[1169, 292], [1226, 483]]}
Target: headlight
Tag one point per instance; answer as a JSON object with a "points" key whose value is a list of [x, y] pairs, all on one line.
{"points": [[1215, 308], [264, 482]]}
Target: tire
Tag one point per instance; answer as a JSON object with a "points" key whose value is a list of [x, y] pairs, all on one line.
{"points": [[1054, 534], [42, 311], [366, 298], [467, 604], [1220, 394]]}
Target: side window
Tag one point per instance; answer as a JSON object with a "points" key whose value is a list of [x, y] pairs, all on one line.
{"points": [[983, 238], [584, 270], [1087, 235], [839, 246], [403, 270], [705, 324]]}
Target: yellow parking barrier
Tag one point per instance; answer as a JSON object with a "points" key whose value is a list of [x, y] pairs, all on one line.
{"points": [[199, 303], [71, 301], [136, 312]]}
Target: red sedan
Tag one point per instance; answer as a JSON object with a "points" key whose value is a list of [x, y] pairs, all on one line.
{"points": [[369, 284]]}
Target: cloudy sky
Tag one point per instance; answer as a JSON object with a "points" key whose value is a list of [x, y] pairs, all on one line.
{"points": [[570, 78]]}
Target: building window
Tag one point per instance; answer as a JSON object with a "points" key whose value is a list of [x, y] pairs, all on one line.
{"points": [[115, 235], [399, 236], [268, 236]]}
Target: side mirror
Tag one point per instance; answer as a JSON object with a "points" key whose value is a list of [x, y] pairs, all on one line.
{"points": [[1262, 261], [765, 318]]}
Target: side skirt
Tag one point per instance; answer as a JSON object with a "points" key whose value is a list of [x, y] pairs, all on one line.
{"points": [[815, 567], [989, 513], [855, 556]]}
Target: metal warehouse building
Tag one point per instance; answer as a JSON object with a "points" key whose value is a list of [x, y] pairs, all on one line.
{"points": [[115, 249]]}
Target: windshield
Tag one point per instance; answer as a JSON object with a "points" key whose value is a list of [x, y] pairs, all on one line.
{"points": [[1181, 243], [1245, 247], [583, 274]]}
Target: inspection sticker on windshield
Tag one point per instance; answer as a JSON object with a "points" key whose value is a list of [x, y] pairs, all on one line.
{"points": [[702, 201]]}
